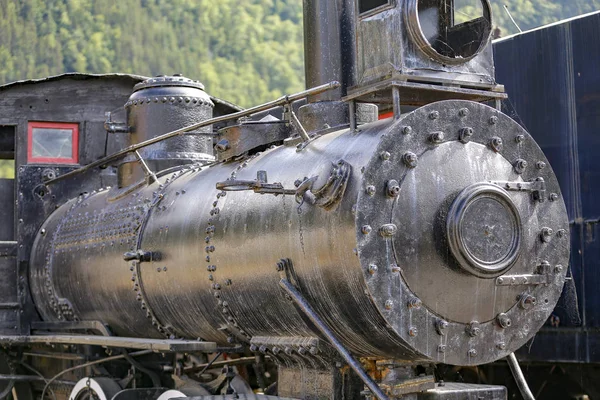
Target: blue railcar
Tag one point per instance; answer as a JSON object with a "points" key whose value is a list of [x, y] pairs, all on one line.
{"points": [[552, 76]]}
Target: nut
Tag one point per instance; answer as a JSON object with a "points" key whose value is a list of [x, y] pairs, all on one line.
{"points": [[497, 144], [465, 135], [503, 320], [393, 188], [410, 159]]}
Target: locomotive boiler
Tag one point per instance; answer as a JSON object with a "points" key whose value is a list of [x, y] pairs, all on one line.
{"points": [[349, 250]]}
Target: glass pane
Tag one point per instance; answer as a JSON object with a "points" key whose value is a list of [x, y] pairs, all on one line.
{"points": [[368, 5], [7, 169], [52, 143]]}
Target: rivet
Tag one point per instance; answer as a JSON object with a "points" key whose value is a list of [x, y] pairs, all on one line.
{"points": [[553, 197], [493, 120], [503, 320], [434, 115], [496, 144], [385, 155], [500, 281], [410, 159], [366, 229], [540, 165], [463, 112], [472, 353], [412, 331], [372, 269], [395, 268], [407, 130], [370, 190], [501, 346], [441, 348], [388, 230], [388, 305], [561, 233]]}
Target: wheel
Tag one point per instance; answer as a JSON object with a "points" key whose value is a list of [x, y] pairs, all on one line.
{"points": [[94, 389]]}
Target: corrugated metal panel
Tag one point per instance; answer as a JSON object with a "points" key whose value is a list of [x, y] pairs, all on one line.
{"points": [[552, 76]]}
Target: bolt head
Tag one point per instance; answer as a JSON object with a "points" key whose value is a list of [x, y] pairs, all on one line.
{"points": [[407, 130], [393, 188], [410, 159], [366, 229], [546, 234], [388, 305], [553, 197], [497, 144], [520, 138], [463, 112], [434, 115], [520, 166], [372, 269], [370, 190], [493, 120], [412, 331], [503, 320], [385, 155], [465, 134], [540, 165], [441, 348], [472, 353], [436, 137], [558, 269]]}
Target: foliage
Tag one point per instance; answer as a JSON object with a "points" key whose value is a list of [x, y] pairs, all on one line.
{"points": [[7, 169], [245, 51]]}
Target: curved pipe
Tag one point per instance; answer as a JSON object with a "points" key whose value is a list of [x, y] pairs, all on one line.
{"points": [[513, 363]]}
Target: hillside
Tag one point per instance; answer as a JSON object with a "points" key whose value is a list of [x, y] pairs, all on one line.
{"points": [[245, 51]]}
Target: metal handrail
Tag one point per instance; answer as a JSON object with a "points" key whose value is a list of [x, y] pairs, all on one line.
{"points": [[244, 113]]}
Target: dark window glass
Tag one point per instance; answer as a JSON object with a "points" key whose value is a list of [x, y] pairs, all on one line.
{"points": [[368, 5], [454, 28]]}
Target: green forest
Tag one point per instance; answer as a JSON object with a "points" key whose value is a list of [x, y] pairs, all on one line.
{"points": [[244, 51]]}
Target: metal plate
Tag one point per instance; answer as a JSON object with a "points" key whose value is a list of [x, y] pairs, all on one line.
{"points": [[445, 312]]}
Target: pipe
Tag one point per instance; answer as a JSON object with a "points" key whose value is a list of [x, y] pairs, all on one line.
{"points": [[315, 319], [513, 363], [328, 46]]}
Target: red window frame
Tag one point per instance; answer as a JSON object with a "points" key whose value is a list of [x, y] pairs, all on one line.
{"points": [[73, 127]]}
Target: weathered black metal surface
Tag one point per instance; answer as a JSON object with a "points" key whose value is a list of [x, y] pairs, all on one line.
{"points": [[445, 309], [551, 77], [7, 211], [239, 237], [463, 391], [160, 105]]}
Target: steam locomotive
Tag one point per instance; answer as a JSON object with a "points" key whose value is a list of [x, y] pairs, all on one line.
{"points": [[306, 248]]}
